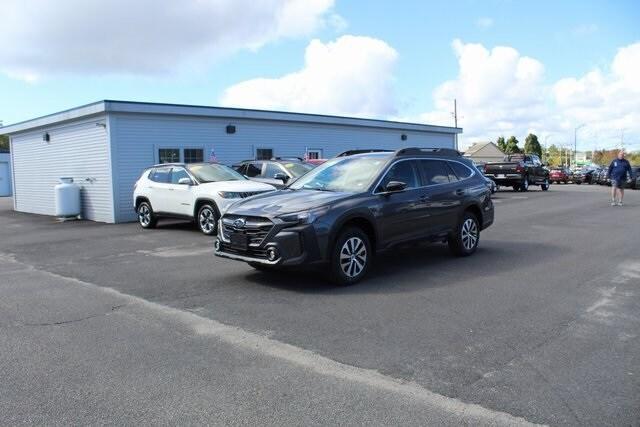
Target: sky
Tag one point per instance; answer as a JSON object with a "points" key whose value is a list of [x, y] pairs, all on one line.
{"points": [[514, 67]]}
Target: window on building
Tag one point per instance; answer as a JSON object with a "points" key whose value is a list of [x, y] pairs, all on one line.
{"points": [[168, 155], [193, 155], [314, 154], [264, 153]]}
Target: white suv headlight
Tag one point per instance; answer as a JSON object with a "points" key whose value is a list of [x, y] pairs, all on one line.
{"points": [[229, 194]]}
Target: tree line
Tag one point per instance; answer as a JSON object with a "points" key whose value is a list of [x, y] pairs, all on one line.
{"points": [[4, 143], [557, 156]]}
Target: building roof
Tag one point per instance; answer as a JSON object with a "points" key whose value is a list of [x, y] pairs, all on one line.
{"points": [[477, 146], [218, 112]]}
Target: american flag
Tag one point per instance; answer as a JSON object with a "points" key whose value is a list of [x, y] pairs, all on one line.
{"points": [[212, 156]]}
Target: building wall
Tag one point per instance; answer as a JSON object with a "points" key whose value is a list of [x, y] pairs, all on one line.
{"points": [[78, 149], [136, 139], [6, 187]]}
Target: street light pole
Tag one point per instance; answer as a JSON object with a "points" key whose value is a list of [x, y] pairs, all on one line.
{"points": [[575, 144]]}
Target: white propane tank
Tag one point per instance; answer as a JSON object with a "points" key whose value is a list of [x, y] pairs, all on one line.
{"points": [[67, 198]]}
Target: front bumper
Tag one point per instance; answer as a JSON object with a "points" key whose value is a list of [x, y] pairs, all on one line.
{"points": [[283, 245]]}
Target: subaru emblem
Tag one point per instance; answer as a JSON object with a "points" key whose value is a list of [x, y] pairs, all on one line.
{"points": [[239, 223]]}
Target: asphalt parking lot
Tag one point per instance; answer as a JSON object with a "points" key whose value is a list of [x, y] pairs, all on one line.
{"points": [[112, 324]]}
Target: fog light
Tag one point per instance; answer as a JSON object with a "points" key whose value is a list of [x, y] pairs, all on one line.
{"points": [[272, 254], [216, 245]]}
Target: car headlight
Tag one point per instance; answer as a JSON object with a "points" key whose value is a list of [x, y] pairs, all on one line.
{"points": [[304, 217], [229, 194]]}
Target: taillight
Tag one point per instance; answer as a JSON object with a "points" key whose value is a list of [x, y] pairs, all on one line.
{"points": [[520, 168], [485, 168]]}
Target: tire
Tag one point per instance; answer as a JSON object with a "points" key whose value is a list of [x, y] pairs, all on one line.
{"points": [[578, 182], [545, 185], [207, 219], [516, 188], [466, 237], [524, 186], [351, 257], [146, 218]]}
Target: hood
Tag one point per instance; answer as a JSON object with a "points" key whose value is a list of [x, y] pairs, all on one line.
{"points": [[284, 202], [246, 186]]}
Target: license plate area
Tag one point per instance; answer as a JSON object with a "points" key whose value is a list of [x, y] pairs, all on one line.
{"points": [[500, 175], [239, 241]]}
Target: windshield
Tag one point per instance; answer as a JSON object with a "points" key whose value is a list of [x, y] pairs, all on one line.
{"points": [[214, 172], [342, 174], [297, 169]]}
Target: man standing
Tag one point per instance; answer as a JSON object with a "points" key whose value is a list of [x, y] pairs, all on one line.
{"points": [[619, 169]]}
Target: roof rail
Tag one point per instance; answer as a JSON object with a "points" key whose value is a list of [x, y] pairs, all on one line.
{"points": [[290, 158], [167, 164], [412, 151], [363, 151]]}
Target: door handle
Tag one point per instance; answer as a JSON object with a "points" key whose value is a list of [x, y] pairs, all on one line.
{"points": [[424, 197], [460, 192]]}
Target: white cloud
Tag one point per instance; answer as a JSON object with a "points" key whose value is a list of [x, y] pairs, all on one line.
{"points": [[484, 23], [501, 92], [607, 101], [144, 36], [350, 76], [498, 91]]}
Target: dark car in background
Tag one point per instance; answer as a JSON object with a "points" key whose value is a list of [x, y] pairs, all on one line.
{"points": [[603, 178], [278, 171], [519, 171], [635, 178], [346, 210]]}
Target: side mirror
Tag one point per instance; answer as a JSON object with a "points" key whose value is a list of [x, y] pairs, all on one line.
{"points": [[395, 186], [185, 181], [282, 177]]}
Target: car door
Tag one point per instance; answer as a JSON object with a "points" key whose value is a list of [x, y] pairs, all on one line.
{"points": [[158, 189], [444, 193], [180, 196], [401, 216]]}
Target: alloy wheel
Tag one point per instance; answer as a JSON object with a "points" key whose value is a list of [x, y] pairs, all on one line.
{"points": [[353, 257], [144, 215], [469, 234], [207, 220]]}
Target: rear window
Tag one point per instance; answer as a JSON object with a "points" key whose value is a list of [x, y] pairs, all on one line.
{"points": [[435, 172], [160, 175], [461, 170]]}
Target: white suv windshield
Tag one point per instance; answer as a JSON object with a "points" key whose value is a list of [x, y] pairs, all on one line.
{"points": [[214, 173], [343, 174]]}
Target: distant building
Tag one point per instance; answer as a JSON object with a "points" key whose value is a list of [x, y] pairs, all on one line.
{"points": [[106, 145], [484, 152], [5, 174]]}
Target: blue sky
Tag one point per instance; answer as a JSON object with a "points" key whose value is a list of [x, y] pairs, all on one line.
{"points": [[569, 39]]}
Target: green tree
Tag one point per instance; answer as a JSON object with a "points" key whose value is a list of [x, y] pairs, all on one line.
{"points": [[532, 145], [502, 145], [512, 146], [4, 143]]}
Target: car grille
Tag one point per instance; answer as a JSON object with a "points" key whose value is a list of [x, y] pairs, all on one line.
{"points": [[256, 228]]}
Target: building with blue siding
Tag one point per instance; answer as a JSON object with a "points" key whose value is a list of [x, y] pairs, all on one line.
{"points": [[106, 145]]}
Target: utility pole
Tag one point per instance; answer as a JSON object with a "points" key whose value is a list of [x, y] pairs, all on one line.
{"points": [[455, 119], [575, 144]]}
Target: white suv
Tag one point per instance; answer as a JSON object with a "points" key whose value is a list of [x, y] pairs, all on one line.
{"points": [[200, 192]]}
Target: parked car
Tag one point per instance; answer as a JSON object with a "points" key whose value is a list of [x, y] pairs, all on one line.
{"points": [[491, 184], [341, 213], [635, 178], [519, 171], [589, 175], [559, 175], [603, 178], [200, 192], [277, 171], [577, 176]]}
